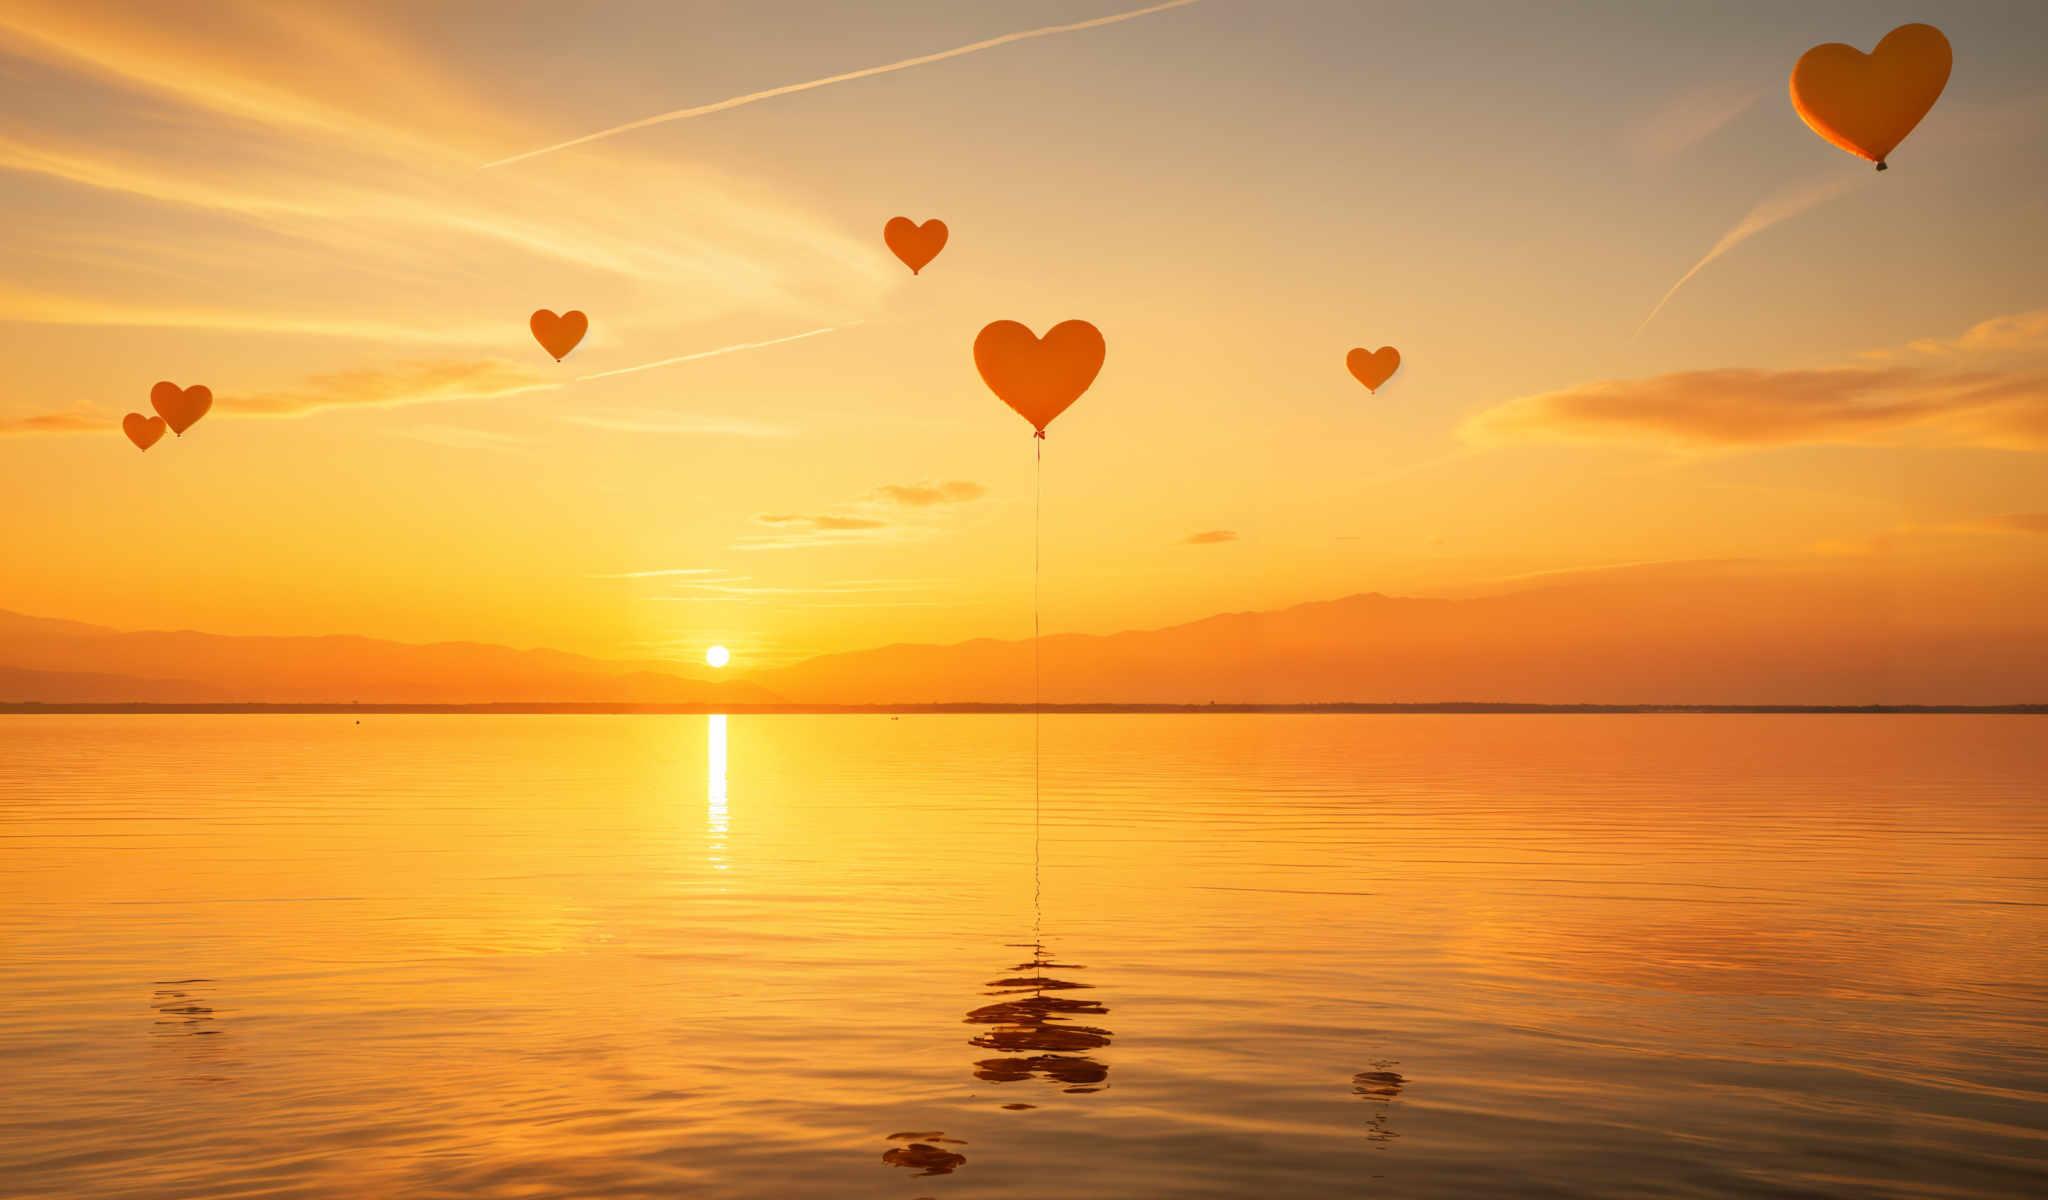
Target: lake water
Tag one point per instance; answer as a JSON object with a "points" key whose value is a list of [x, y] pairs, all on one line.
{"points": [[797, 957]]}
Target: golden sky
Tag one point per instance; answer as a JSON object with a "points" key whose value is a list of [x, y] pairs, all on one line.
{"points": [[290, 204]]}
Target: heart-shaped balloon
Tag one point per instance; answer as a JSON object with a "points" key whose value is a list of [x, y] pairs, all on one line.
{"points": [[143, 431], [915, 244], [180, 407], [1868, 103], [1373, 367], [1039, 377], [559, 335]]}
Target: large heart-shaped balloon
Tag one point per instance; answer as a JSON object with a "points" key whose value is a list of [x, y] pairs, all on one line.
{"points": [[1039, 377], [915, 244], [143, 431], [559, 335], [180, 407], [1373, 367], [1868, 103]]}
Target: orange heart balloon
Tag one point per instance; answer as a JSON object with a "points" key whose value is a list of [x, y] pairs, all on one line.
{"points": [[143, 431], [1868, 103], [1039, 377], [559, 335], [915, 244], [1373, 367], [180, 407]]}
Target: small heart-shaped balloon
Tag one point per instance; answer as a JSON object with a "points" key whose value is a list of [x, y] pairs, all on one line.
{"points": [[180, 408], [143, 431], [1373, 367], [559, 335], [1039, 377], [915, 244], [1868, 103]]}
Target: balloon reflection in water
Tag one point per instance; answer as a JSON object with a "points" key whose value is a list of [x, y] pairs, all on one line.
{"points": [[923, 1155], [1381, 1087], [1038, 1029]]}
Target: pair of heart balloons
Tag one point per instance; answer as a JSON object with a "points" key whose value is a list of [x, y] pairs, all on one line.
{"points": [[1038, 377], [177, 409], [915, 244]]}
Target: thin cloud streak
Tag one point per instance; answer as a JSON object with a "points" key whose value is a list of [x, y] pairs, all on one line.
{"points": [[1780, 206], [683, 358], [71, 421], [647, 421], [684, 114], [2034, 523], [431, 383], [459, 437], [1734, 407], [1688, 119]]}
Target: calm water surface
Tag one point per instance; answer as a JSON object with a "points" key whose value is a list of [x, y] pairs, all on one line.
{"points": [[1264, 956]]}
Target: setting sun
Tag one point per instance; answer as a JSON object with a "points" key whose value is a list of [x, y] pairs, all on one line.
{"points": [[718, 656]]}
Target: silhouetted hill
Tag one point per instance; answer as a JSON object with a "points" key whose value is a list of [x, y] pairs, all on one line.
{"points": [[1697, 633], [65, 661], [75, 687]]}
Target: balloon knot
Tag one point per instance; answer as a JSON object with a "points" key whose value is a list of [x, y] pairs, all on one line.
{"points": [[1881, 166], [1040, 434]]}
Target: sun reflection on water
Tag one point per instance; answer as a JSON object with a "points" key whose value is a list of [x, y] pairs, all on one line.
{"points": [[714, 804]]}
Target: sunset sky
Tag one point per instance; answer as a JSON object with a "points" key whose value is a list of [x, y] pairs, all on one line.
{"points": [[289, 203]]}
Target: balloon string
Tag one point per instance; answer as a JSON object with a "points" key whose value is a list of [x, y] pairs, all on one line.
{"points": [[1037, 503]]}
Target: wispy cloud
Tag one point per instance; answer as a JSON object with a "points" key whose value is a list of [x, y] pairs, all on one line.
{"points": [[42, 308], [1781, 205], [1210, 537], [1689, 118], [822, 522], [928, 495], [645, 420], [684, 114], [325, 152], [381, 387], [416, 383], [725, 588], [737, 346], [2036, 523], [1987, 388], [1737, 407], [459, 437], [426, 382], [2019, 332], [852, 587], [73, 420], [892, 512], [665, 573], [794, 531]]}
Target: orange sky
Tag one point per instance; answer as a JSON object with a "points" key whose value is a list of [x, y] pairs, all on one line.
{"points": [[289, 204]]}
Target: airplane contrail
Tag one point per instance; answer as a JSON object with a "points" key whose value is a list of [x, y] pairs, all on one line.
{"points": [[684, 114], [1780, 206], [683, 358]]}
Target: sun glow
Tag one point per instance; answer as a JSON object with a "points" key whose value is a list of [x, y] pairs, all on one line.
{"points": [[718, 656]]}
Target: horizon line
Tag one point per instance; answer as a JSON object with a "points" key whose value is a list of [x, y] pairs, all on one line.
{"points": [[970, 708]]}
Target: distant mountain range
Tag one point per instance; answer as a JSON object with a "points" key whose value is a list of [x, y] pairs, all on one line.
{"points": [[1694, 633], [66, 662]]}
